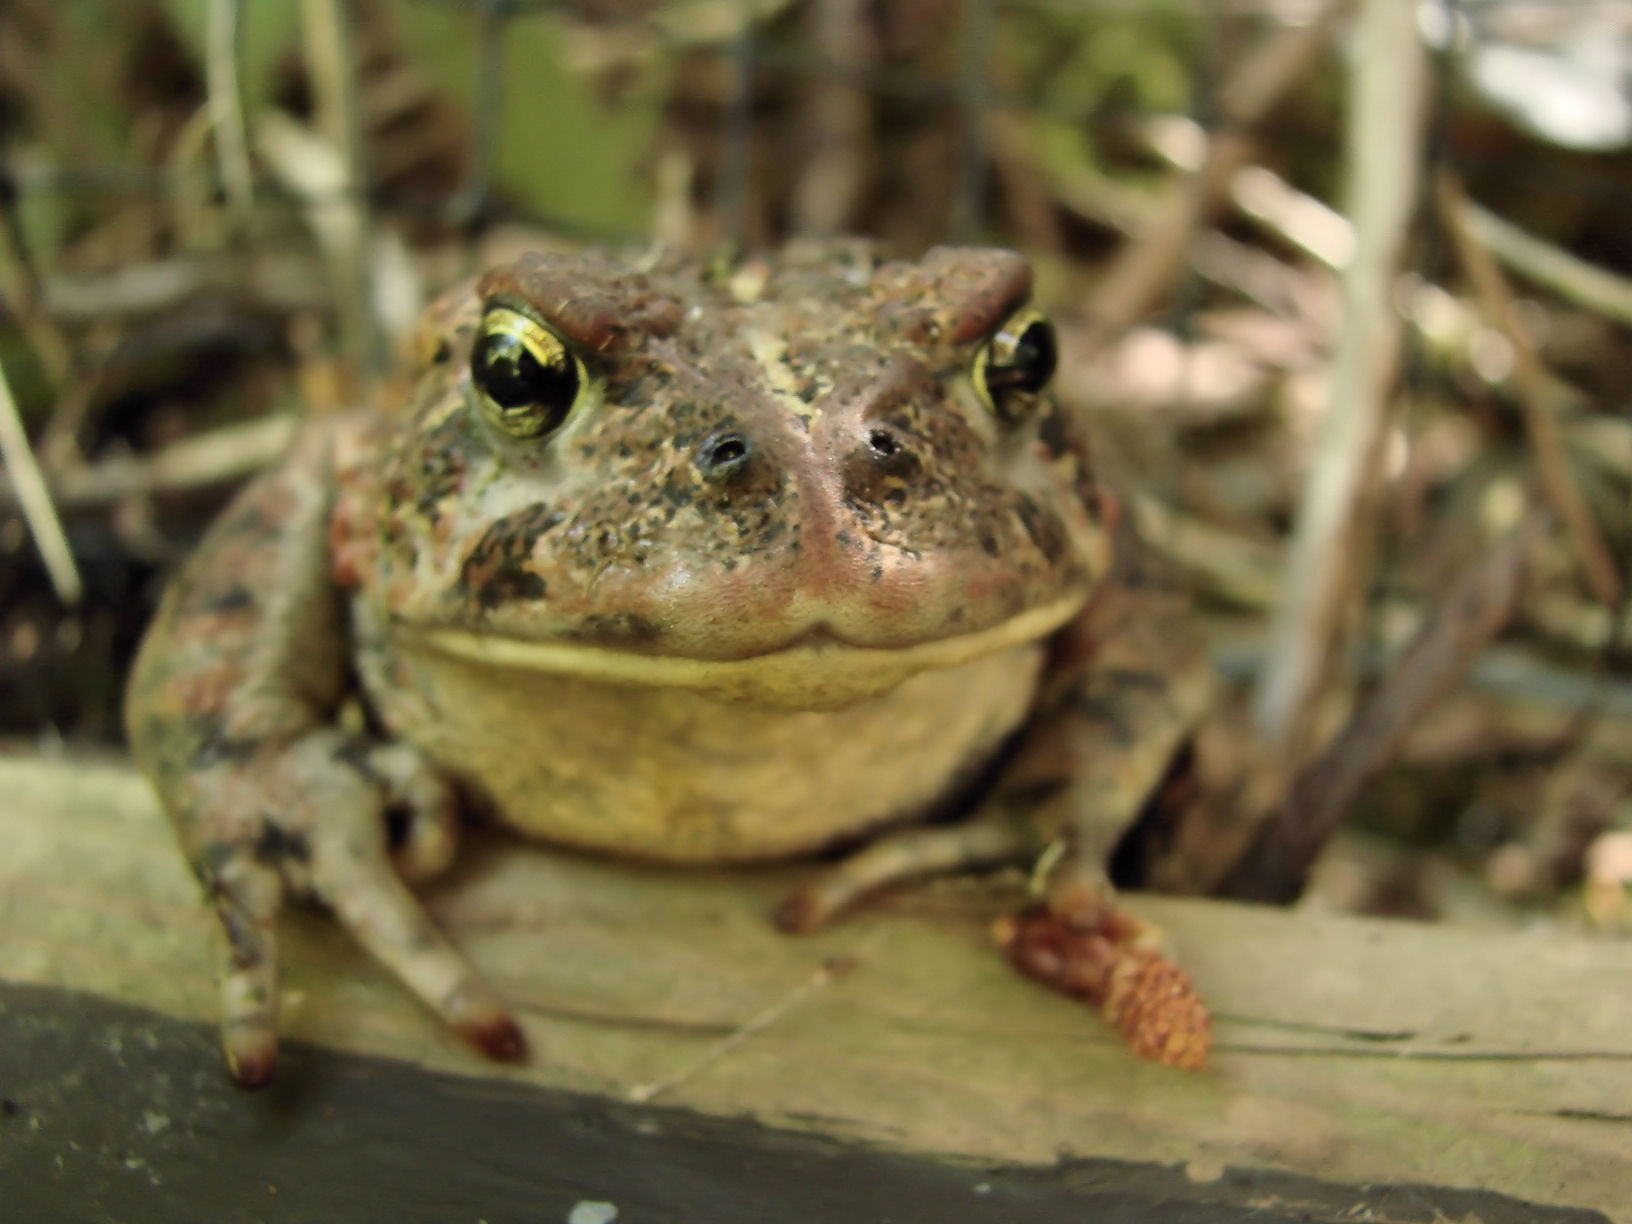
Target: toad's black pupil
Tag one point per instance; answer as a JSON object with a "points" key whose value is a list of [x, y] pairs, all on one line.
{"points": [[1029, 366], [1037, 355], [514, 378]]}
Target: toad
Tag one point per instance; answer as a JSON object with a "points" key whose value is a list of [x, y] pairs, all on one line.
{"points": [[680, 562]]}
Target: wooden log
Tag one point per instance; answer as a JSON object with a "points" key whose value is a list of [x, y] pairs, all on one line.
{"points": [[1361, 1053]]}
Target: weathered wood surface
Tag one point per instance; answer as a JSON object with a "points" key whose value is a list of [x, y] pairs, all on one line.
{"points": [[1353, 1051]]}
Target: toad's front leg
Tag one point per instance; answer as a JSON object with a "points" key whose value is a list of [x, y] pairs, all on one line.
{"points": [[1128, 683], [230, 713]]}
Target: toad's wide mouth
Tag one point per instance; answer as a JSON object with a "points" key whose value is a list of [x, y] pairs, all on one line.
{"points": [[817, 670]]}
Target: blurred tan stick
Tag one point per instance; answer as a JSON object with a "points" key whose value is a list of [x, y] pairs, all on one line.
{"points": [[1325, 562], [223, 39], [21, 288], [36, 499], [1438, 657], [1530, 380], [1147, 267], [837, 116], [336, 193], [225, 453]]}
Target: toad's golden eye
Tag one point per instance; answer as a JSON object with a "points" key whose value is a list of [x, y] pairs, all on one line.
{"points": [[1016, 364], [527, 377]]}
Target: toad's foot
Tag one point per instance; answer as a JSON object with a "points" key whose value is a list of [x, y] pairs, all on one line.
{"points": [[320, 835], [992, 838]]}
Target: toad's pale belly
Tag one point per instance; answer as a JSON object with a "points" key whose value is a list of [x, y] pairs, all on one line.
{"points": [[685, 776]]}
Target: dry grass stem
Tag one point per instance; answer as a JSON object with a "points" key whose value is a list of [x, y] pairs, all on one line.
{"points": [[1525, 675], [1325, 565], [331, 63], [1294, 216], [1573, 279], [35, 499], [1530, 380], [228, 453], [1575, 622], [223, 44], [278, 281], [1147, 267], [20, 285]]}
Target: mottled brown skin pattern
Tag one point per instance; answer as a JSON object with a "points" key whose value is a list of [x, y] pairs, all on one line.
{"points": [[779, 518]]}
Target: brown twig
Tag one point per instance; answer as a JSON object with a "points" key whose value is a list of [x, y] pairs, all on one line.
{"points": [[1479, 603], [1530, 380], [1222, 564], [1146, 268]]}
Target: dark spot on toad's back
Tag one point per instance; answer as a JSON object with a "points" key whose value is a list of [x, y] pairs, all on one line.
{"points": [[211, 861], [212, 745], [206, 599], [1042, 527], [246, 518], [1105, 713], [1135, 679], [276, 845]]}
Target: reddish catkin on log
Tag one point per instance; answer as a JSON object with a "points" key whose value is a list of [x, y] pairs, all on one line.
{"points": [[1105, 957]]}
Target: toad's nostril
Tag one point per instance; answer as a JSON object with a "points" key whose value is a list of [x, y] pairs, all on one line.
{"points": [[722, 455], [886, 450], [881, 465], [882, 443]]}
